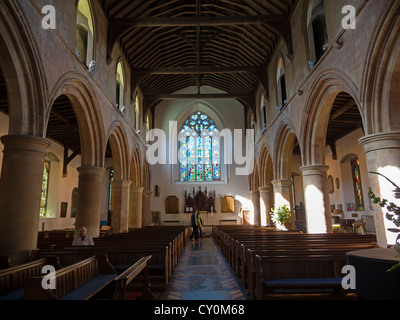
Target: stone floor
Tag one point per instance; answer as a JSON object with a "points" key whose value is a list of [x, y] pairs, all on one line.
{"points": [[203, 274]]}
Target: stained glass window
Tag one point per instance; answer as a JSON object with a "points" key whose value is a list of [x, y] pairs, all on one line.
{"points": [[45, 188], [355, 168], [199, 154]]}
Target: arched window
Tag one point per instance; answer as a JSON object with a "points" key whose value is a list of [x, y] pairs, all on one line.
{"points": [[317, 31], [120, 86], [281, 84], [263, 124], [84, 33], [199, 154], [45, 189], [137, 113]]}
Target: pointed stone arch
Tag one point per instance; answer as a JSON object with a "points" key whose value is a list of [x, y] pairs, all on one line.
{"points": [[85, 105], [283, 150], [23, 70], [135, 219], [118, 140], [266, 167], [380, 94], [315, 119]]}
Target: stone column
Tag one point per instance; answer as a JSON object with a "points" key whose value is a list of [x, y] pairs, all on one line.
{"points": [[382, 152], [255, 199], [120, 205], [135, 207], [20, 191], [283, 195], [267, 197], [316, 199], [146, 218], [89, 199]]}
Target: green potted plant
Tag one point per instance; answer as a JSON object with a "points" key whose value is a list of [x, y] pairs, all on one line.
{"points": [[280, 216]]}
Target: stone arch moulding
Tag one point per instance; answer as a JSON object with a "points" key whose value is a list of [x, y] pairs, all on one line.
{"points": [[317, 110], [120, 150], [266, 167], [380, 92], [87, 111], [23, 69], [136, 172], [202, 106], [283, 150]]}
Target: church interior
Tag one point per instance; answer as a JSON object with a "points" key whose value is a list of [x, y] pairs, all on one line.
{"points": [[277, 121]]}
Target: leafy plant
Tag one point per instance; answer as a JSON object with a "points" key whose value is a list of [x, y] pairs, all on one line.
{"points": [[281, 214], [393, 213]]}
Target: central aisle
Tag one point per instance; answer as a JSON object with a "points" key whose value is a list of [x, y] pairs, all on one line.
{"points": [[203, 274]]}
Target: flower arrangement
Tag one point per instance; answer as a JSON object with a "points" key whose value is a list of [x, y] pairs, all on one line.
{"points": [[393, 213], [280, 215]]}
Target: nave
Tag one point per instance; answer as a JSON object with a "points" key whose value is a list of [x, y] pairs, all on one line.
{"points": [[204, 274]]}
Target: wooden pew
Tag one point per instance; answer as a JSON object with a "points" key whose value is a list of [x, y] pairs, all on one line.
{"points": [[80, 281], [122, 282], [5, 262], [13, 279], [121, 258], [241, 244], [308, 274]]}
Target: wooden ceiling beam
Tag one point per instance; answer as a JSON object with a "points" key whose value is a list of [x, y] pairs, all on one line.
{"points": [[200, 70], [119, 27], [197, 21], [198, 96]]}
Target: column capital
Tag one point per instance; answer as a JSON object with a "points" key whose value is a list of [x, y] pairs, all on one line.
{"points": [[147, 193], [282, 183], [25, 143], [266, 189], [137, 189], [381, 141], [254, 192], [121, 183], [91, 171], [315, 169]]}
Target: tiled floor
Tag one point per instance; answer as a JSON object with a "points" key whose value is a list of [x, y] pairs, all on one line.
{"points": [[203, 274]]}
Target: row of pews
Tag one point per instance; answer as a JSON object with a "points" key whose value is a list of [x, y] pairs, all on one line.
{"points": [[138, 262], [272, 264]]}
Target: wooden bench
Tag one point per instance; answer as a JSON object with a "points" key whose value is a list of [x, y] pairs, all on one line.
{"points": [[298, 275], [13, 279], [5, 262], [122, 282], [121, 258], [80, 281], [240, 244]]}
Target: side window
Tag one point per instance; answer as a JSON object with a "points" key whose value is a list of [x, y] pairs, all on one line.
{"points": [[281, 84], [84, 33], [316, 30]]}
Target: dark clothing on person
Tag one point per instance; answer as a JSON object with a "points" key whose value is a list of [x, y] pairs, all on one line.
{"points": [[195, 232]]}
